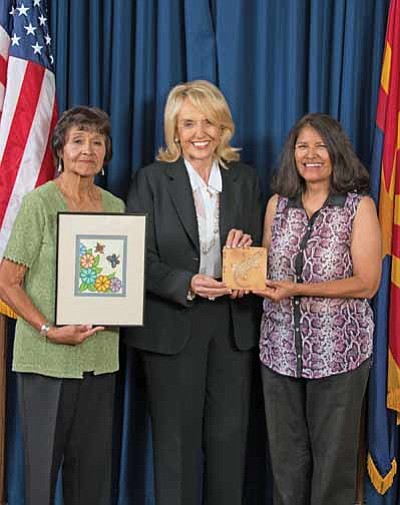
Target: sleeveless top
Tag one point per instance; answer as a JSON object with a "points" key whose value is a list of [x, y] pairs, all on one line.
{"points": [[314, 337]]}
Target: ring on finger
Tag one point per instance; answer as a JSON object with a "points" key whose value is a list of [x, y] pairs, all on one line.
{"points": [[211, 298]]}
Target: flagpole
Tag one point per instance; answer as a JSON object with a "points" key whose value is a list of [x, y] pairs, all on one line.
{"points": [[3, 371]]}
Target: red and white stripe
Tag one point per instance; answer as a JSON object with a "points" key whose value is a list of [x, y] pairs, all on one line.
{"points": [[28, 118], [4, 45]]}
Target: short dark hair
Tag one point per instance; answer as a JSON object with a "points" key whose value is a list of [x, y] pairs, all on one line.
{"points": [[348, 173], [84, 118]]}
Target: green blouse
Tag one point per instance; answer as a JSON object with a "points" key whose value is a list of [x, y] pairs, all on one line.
{"points": [[33, 244]]}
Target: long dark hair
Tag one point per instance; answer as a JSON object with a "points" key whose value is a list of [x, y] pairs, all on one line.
{"points": [[348, 173]]}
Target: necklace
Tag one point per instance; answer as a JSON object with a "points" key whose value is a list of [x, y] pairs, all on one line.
{"points": [[91, 204]]}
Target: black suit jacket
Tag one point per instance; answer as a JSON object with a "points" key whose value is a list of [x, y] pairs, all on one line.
{"points": [[163, 191]]}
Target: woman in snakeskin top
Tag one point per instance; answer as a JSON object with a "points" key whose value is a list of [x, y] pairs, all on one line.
{"points": [[322, 235]]}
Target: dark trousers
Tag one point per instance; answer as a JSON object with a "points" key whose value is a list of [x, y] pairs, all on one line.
{"points": [[313, 432], [68, 422], [199, 402]]}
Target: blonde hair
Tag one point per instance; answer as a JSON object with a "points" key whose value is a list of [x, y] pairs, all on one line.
{"points": [[210, 101]]}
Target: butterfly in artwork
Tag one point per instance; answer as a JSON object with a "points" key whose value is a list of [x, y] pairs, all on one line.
{"points": [[113, 259], [100, 248]]}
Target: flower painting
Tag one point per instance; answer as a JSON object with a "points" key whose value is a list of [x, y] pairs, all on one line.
{"points": [[100, 265]]}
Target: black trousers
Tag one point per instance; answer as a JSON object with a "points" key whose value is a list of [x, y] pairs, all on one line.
{"points": [[313, 432], [199, 402], [68, 422]]}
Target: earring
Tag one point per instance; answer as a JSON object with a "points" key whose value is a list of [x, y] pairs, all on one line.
{"points": [[176, 140], [102, 170], [60, 166]]}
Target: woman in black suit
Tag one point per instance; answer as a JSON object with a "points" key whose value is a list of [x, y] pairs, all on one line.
{"points": [[198, 338]]}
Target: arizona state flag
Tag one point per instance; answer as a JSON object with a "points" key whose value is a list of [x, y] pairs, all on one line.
{"points": [[384, 392]]}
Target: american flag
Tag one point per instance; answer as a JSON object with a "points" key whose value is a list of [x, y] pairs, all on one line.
{"points": [[28, 109]]}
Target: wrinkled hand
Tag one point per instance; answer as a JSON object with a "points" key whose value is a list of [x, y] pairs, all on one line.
{"points": [[207, 287], [278, 290], [237, 238], [72, 334]]}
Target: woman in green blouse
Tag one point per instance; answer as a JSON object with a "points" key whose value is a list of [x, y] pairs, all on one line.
{"points": [[65, 374]]}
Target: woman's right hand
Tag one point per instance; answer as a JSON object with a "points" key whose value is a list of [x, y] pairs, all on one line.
{"points": [[278, 290], [72, 334], [207, 287]]}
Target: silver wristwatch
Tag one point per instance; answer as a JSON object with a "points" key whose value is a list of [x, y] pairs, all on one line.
{"points": [[44, 329]]}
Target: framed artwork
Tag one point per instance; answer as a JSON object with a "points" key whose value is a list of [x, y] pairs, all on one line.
{"points": [[100, 269]]}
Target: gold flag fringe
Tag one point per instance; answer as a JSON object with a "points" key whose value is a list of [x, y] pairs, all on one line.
{"points": [[5, 309], [381, 484]]}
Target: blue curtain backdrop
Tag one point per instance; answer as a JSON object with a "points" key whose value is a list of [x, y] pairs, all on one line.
{"points": [[274, 60]]}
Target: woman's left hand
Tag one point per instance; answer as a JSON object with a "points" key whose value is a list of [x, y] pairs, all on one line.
{"points": [[237, 238], [278, 290]]}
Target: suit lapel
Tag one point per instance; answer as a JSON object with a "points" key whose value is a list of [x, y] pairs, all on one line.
{"points": [[181, 194], [182, 198], [229, 201]]}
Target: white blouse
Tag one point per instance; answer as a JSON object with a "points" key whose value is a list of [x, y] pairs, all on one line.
{"points": [[207, 203]]}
